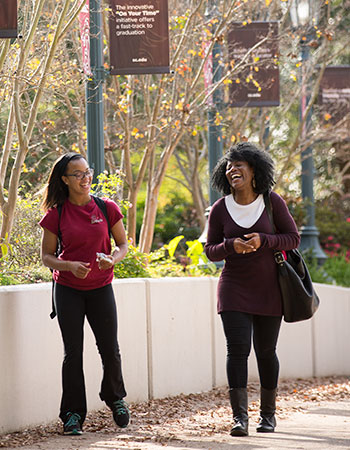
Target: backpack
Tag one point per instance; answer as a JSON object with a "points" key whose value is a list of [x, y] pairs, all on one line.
{"points": [[102, 205]]}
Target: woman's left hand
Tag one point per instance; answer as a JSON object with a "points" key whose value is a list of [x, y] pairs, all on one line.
{"points": [[253, 240], [104, 261]]}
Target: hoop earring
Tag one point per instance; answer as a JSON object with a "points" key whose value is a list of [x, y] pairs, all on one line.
{"points": [[253, 183]]}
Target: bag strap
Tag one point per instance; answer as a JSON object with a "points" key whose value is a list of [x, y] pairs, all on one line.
{"points": [[278, 255], [268, 206]]}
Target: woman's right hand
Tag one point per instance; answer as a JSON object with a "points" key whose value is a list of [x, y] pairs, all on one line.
{"points": [[79, 269], [242, 246]]}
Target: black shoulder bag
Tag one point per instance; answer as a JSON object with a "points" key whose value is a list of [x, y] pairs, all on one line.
{"points": [[299, 299], [102, 205]]}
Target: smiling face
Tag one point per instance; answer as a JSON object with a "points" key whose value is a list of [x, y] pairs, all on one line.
{"points": [[239, 174], [78, 177]]}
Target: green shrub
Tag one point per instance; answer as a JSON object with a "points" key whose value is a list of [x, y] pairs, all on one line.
{"points": [[26, 232], [317, 273], [163, 263], [110, 186], [332, 222], [176, 217], [334, 228], [335, 270], [338, 269], [15, 274], [7, 279], [133, 265]]}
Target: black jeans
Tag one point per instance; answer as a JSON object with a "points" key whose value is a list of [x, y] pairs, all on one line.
{"points": [[98, 305], [238, 329]]}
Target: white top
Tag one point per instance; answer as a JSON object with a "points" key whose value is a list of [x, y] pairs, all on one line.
{"points": [[245, 215]]}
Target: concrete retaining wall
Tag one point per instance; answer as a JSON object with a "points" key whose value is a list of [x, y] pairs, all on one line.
{"points": [[171, 341]]}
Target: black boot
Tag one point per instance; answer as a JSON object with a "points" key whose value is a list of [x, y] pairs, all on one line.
{"points": [[267, 422], [239, 404]]}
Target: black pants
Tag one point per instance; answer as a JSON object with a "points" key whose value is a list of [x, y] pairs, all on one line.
{"points": [[238, 329], [98, 305]]}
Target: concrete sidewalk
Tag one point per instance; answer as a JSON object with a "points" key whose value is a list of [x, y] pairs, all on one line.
{"points": [[325, 425]]}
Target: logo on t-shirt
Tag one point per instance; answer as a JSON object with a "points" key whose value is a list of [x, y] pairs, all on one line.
{"points": [[95, 219]]}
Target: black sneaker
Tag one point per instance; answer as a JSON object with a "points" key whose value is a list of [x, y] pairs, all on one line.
{"points": [[72, 426], [121, 414]]}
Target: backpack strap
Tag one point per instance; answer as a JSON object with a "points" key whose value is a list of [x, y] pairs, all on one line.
{"points": [[57, 252], [102, 205], [59, 235]]}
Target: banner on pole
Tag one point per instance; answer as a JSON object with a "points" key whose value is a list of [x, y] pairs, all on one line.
{"points": [[139, 36], [253, 48], [334, 95], [84, 25], [8, 18]]}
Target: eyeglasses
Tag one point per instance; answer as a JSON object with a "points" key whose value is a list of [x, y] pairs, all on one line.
{"points": [[81, 175]]}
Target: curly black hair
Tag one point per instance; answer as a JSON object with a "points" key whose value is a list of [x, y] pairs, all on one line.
{"points": [[259, 160]]}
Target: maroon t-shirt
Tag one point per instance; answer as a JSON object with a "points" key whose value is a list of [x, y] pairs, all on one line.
{"points": [[248, 282], [84, 232]]}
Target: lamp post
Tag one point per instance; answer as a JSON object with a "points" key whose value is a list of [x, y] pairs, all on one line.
{"points": [[215, 144], [303, 15], [94, 91], [215, 103]]}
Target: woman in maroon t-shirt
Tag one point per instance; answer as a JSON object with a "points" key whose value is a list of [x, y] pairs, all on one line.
{"points": [[83, 272], [249, 298]]}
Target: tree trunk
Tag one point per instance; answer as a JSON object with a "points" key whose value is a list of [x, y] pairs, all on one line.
{"points": [[9, 209], [24, 135], [154, 185], [198, 201], [149, 219], [131, 216], [7, 146]]}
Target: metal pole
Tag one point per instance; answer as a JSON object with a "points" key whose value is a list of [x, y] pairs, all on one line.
{"points": [[309, 232], [94, 91], [215, 144]]}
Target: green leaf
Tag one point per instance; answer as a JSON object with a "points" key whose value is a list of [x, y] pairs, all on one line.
{"points": [[4, 250], [194, 251], [171, 247]]}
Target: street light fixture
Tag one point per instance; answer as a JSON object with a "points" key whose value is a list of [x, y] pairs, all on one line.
{"points": [[304, 15]]}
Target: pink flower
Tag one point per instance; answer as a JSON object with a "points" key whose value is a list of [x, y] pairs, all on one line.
{"points": [[348, 219], [330, 238]]}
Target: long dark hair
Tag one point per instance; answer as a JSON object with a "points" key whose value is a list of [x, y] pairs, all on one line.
{"points": [[259, 160], [56, 191]]}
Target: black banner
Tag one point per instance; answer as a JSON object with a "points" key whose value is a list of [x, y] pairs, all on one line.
{"points": [[8, 18], [256, 83], [334, 95], [139, 37]]}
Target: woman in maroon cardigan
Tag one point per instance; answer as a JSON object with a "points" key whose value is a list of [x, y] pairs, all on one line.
{"points": [[249, 298]]}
